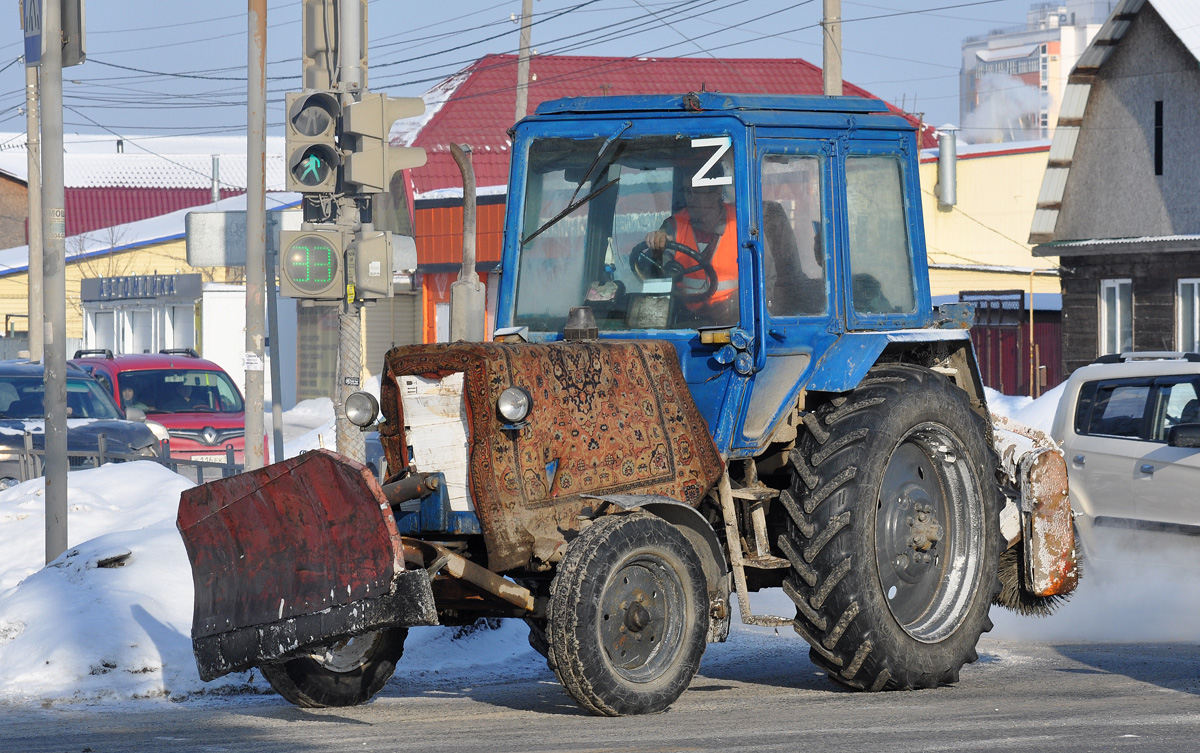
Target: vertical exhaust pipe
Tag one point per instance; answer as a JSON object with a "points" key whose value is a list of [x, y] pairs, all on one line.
{"points": [[216, 178], [947, 170], [467, 295]]}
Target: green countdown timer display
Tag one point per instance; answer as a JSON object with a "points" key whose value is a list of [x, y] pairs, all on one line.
{"points": [[312, 265]]}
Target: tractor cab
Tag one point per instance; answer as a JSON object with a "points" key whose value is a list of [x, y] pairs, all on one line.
{"points": [[709, 221]]}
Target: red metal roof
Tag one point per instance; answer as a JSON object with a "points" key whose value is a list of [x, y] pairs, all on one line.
{"points": [[480, 110], [90, 209]]}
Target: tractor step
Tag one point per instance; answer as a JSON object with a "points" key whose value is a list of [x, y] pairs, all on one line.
{"points": [[766, 562], [766, 620]]}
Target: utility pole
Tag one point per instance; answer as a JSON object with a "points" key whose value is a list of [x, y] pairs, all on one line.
{"points": [[33, 144], [54, 302], [523, 60], [831, 26], [256, 229]]}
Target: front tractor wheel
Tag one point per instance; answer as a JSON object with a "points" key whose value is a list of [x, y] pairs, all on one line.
{"points": [[893, 532], [628, 615], [345, 673]]}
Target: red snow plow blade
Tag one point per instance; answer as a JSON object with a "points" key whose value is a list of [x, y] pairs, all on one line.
{"points": [[294, 556]]}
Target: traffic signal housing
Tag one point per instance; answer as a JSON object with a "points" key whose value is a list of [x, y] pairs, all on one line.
{"points": [[311, 141], [371, 254], [311, 264], [371, 161]]}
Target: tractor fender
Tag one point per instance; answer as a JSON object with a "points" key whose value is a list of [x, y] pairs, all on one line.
{"points": [[845, 363], [704, 540]]}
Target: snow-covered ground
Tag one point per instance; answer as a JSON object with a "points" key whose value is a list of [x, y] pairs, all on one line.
{"points": [[110, 620]]}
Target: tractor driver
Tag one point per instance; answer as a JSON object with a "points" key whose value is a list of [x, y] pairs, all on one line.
{"points": [[708, 224]]}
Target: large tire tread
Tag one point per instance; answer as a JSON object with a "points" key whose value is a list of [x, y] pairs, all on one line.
{"points": [[830, 572]]}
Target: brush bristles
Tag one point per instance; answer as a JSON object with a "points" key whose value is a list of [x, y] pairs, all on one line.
{"points": [[1013, 597]]}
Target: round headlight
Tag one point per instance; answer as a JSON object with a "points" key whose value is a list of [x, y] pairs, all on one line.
{"points": [[361, 408], [514, 404]]}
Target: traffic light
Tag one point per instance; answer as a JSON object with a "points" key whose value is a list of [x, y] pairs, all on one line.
{"points": [[371, 161], [311, 141], [371, 254], [310, 264]]}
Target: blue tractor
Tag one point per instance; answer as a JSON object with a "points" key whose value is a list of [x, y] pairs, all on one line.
{"points": [[715, 369]]}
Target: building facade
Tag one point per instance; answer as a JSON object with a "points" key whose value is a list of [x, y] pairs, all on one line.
{"points": [[1013, 79], [1118, 203]]}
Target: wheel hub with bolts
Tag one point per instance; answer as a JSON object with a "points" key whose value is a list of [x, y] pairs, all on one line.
{"points": [[918, 532], [633, 612], [926, 530]]}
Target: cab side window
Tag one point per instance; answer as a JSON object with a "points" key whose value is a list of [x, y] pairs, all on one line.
{"points": [[880, 262], [793, 249]]}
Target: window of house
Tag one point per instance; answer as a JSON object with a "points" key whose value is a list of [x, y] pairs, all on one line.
{"points": [[1188, 308], [1116, 316], [1158, 137]]}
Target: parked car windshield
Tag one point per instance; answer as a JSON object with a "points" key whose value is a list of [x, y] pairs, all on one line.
{"points": [[23, 397], [179, 391], [589, 203]]}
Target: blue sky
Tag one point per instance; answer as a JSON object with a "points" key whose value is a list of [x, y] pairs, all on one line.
{"points": [[172, 67]]}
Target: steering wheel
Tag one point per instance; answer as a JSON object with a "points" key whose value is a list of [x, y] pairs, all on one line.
{"points": [[645, 266]]}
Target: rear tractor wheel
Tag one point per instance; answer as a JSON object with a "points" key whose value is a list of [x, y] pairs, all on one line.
{"points": [[345, 673], [893, 532]]}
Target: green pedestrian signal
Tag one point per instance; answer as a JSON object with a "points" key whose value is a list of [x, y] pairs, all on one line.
{"points": [[312, 171], [311, 148]]}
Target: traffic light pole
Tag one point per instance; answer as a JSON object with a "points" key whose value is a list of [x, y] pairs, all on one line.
{"points": [[351, 77], [350, 441], [338, 155], [256, 231]]}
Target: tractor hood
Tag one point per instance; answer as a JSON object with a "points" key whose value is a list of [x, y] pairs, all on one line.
{"points": [[604, 417]]}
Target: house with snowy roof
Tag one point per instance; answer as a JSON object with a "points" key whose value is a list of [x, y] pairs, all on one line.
{"points": [[1118, 202], [112, 181]]}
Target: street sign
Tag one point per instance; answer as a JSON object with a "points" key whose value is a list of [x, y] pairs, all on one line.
{"points": [[74, 41], [218, 239], [31, 22]]}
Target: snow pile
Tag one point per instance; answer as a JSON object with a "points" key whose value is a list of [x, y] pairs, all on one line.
{"points": [[1038, 413], [111, 617]]}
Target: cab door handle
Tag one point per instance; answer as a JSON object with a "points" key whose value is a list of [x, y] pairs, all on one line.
{"points": [[1078, 460], [1147, 468]]}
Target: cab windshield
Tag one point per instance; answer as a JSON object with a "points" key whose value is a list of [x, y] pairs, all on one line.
{"points": [[640, 229]]}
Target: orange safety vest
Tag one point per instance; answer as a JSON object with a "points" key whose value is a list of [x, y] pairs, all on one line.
{"points": [[723, 259]]}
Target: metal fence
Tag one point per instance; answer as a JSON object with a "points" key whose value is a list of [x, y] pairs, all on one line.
{"points": [[32, 462]]}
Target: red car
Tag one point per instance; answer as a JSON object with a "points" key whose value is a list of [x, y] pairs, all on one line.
{"points": [[195, 399]]}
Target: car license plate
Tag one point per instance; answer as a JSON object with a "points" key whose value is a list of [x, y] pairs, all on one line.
{"points": [[209, 458]]}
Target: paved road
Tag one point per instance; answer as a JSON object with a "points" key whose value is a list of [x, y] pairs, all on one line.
{"points": [[758, 694]]}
